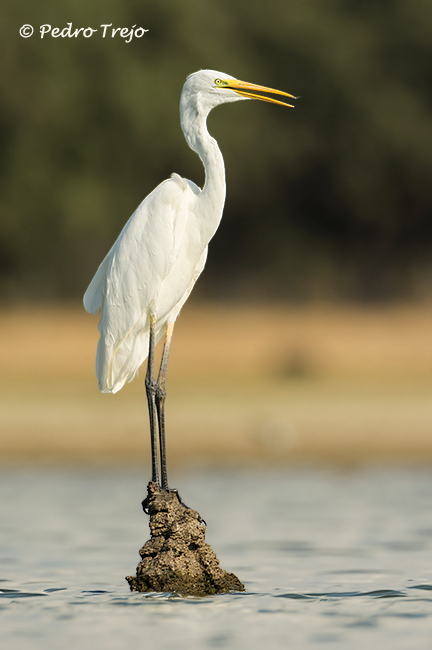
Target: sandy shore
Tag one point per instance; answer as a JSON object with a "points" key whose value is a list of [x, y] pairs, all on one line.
{"points": [[246, 384]]}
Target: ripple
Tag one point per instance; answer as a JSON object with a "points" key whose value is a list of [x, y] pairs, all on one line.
{"points": [[16, 593], [378, 593]]}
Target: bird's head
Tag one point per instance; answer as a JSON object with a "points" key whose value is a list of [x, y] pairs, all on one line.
{"points": [[208, 88]]}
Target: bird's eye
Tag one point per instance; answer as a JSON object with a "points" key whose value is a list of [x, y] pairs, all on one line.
{"points": [[218, 82]]}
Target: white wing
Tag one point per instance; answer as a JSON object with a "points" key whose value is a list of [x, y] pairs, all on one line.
{"points": [[151, 268], [93, 297]]}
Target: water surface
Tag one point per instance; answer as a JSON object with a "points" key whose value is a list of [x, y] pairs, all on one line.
{"points": [[329, 559]]}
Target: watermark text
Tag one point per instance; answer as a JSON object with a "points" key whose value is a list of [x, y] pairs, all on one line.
{"points": [[106, 31]]}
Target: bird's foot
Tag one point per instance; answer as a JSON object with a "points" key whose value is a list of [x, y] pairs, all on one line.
{"points": [[176, 492], [153, 488], [145, 505]]}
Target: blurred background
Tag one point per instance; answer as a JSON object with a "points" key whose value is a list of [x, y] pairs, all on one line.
{"points": [[308, 336]]}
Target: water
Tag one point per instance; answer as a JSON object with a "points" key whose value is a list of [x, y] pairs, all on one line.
{"points": [[333, 560]]}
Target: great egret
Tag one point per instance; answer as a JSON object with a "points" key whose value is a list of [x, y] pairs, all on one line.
{"points": [[150, 271]]}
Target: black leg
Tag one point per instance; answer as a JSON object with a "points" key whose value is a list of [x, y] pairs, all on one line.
{"points": [[160, 403], [151, 386]]}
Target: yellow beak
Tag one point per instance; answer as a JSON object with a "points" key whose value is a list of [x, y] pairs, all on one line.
{"points": [[244, 88]]}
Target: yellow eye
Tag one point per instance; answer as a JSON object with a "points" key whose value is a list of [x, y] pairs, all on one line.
{"points": [[218, 82]]}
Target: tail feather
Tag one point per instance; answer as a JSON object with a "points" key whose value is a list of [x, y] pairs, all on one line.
{"points": [[114, 367]]}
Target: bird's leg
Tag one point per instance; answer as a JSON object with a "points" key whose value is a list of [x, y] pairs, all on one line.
{"points": [[160, 406], [150, 385], [160, 403]]}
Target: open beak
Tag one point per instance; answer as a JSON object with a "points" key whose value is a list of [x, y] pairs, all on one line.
{"points": [[244, 88]]}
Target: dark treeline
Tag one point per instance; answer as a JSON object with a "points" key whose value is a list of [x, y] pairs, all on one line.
{"points": [[330, 200]]}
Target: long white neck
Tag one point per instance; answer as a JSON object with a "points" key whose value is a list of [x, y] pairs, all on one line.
{"points": [[194, 124]]}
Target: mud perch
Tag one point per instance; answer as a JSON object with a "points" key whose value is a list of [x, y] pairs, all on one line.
{"points": [[177, 557]]}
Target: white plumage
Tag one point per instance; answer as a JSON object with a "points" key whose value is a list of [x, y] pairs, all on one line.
{"points": [[157, 258], [151, 268]]}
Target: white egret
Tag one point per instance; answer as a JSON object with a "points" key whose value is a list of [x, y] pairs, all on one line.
{"points": [[150, 271]]}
